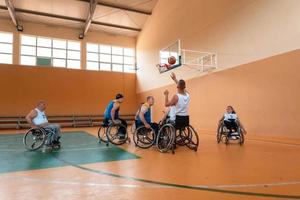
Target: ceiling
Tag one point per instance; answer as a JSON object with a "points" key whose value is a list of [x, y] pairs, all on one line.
{"points": [[107, 12]]}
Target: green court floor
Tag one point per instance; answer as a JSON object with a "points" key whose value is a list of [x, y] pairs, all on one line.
{"points": [[78, 148]]}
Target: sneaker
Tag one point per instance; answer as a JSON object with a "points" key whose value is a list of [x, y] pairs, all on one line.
{"points": [[233, 137]]}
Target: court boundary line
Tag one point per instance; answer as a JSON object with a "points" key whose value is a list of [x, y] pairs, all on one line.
{"points": [[180, 186], [146, 186], [261, 140]]}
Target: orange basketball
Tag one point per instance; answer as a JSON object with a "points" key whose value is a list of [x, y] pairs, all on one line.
{"points": [[171, 60]]}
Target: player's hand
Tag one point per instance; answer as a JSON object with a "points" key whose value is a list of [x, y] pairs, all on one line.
{"points": [[166, 92], [147, 126], [173, 76]]}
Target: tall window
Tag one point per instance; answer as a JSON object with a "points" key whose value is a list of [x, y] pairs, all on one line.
{"points": [[6, 48], [110, 58], [50, 52]]}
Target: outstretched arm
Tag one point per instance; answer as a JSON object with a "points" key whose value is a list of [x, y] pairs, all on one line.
{"points": [[173, 77]]}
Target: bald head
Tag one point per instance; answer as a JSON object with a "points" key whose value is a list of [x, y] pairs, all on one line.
{"points": [[41, 105]]}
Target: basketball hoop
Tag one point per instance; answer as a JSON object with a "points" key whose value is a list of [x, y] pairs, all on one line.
{"points": [[174, 56]]}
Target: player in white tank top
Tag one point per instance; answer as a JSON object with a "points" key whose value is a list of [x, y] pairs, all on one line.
{"points": [[182, 106], [40, 118], [181, 101], [169, 115], [37, 118]]}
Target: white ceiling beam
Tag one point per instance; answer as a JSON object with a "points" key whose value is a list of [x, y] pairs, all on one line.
{"points": [[88, 22], [13, 16]]}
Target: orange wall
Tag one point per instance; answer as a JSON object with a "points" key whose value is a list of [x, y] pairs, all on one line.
{"points": [[265, 95], [66, 91]]}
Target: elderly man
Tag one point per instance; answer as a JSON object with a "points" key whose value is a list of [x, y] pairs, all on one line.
{"points": [[37, 118]]}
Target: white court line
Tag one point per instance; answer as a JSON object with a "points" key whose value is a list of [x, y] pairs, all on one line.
{"points": [[60, 150], [63, 182]]}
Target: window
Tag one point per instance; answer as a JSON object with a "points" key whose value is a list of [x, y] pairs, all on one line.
{"points": [[110, 58], [6, 48], [50, 52]]}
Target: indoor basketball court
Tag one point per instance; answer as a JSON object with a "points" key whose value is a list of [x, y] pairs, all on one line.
{"points": [[149, 99]]}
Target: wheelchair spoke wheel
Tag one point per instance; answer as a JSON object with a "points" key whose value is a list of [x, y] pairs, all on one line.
{"points": [[180, 138], [219, 134], [242, 138], [193, 138], [117, 134], [165, 138], [102, 134], [143, 137], [34, 139], [183, 137]]}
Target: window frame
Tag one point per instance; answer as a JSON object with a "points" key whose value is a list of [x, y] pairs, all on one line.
{"points": [[12, 47], [111, 54], [52, 48]]}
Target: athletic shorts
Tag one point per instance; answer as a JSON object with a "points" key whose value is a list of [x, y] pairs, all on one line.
{"points": [[182, 121]]}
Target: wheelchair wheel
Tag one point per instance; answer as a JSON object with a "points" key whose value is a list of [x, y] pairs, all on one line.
{"points": [[143, 137], [219, 133], [114, 134], [165, 138], [242, 139], [193, 138], [34, 139], [181, 137], [102, 134]]}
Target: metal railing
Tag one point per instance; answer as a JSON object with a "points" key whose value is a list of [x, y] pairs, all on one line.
{"points": [[19, 122]]}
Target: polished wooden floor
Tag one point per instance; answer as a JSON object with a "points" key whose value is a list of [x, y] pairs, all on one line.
{"points": [[264, 168]]}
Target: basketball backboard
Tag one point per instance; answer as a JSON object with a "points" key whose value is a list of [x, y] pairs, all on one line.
{"points": [[201, 61]]}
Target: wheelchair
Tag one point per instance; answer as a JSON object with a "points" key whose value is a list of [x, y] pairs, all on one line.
{"points": [[144, 137], [223, 134], [168, 137], [109, 133], [35, 138]]}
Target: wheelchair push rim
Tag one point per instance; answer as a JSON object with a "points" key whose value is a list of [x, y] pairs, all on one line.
{"points": [[193, 138], [143, 137], [165, 138], [220, 133], [34, 139], [102, 134], [114, 135]]}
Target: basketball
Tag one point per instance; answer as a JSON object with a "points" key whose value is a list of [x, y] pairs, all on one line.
{"points": [[171, 60]]}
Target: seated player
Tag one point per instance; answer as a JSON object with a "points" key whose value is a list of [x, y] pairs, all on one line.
{"points": [[231, 122], [181, 102], [37, 118], [111, 114], [143, 116], [169, 115]]}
